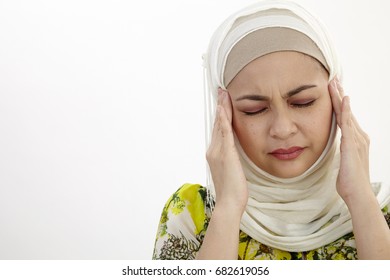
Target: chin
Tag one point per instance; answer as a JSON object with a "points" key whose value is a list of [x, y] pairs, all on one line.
{"points": [[289, 168]]}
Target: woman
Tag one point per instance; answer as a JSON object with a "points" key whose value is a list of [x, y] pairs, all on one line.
{"points": [[284, 185]]}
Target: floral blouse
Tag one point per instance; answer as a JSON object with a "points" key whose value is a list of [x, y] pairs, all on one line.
{"points": [[184, 222]]}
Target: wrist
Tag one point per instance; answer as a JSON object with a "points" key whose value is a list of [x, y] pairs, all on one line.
{"points": [[230, 208], [232, 202], [360, 197]]}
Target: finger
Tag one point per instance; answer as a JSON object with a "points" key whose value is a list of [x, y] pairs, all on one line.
{"points": [[362, 145], [226, 104], [340, 91], [215, 129], [222, 129], [359, 136], [219, 96], [347, 129], [215, 147], [217, 120], [361, 140], [339, 87], [359, 131], [336, 100], [226, 126]]}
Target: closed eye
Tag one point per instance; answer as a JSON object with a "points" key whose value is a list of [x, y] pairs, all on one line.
{"points": [[255, 112], [295, 104], [304, 104]]}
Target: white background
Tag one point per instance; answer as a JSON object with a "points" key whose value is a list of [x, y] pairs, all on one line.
{"points": [[101, 114]]}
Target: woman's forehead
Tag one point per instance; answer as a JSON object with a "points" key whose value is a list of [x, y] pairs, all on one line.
{"points": [[284, 67], [279, 71]]}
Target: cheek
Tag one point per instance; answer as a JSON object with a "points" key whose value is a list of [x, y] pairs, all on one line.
{"points": [[326, 113], [241, 127], [319, 122], [248, 131]]}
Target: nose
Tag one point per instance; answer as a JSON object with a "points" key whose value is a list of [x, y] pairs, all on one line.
{"points": [[282, 125]]}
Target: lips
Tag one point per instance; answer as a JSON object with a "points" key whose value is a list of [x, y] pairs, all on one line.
{"points": [[287, 154]]}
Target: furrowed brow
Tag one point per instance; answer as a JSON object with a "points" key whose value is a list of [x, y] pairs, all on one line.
{"points": [[256, 97], [253, 97], [298, 90]]}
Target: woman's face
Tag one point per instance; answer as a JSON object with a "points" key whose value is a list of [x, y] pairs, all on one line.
{"points": [[282, 112]]}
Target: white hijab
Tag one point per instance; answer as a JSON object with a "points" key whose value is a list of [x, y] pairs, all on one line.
{"points": [[294, 214]]}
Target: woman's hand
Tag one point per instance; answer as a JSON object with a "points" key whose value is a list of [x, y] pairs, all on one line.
{"points": [[353, 178], [372, 234], [222, 236], [225, 166]]}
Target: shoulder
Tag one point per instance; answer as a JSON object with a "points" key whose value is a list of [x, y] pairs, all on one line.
{"points": [[194, 197], [192, 193], [190, 202], [184, 220]]}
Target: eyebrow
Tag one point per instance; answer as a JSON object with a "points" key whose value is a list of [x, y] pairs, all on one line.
{"points": [[256, 97]]}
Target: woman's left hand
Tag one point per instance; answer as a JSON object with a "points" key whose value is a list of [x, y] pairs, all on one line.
{"points": [[353, 179], [371, 232]]}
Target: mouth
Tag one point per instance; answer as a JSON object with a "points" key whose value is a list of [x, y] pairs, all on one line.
{"points": [[287, 154]]}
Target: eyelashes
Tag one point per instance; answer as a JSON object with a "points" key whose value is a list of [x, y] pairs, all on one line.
{"points": [[303, 105], [294, 105], [256, 112]]}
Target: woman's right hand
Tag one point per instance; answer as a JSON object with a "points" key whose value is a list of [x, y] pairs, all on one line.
{"points": [[222, 156], [222, 236]]}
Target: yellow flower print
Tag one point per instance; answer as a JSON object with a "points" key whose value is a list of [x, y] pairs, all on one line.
{"points": [[195, 206], [178, 207], [310, 255], [331, 249], [281, 255], [338, 256]]}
